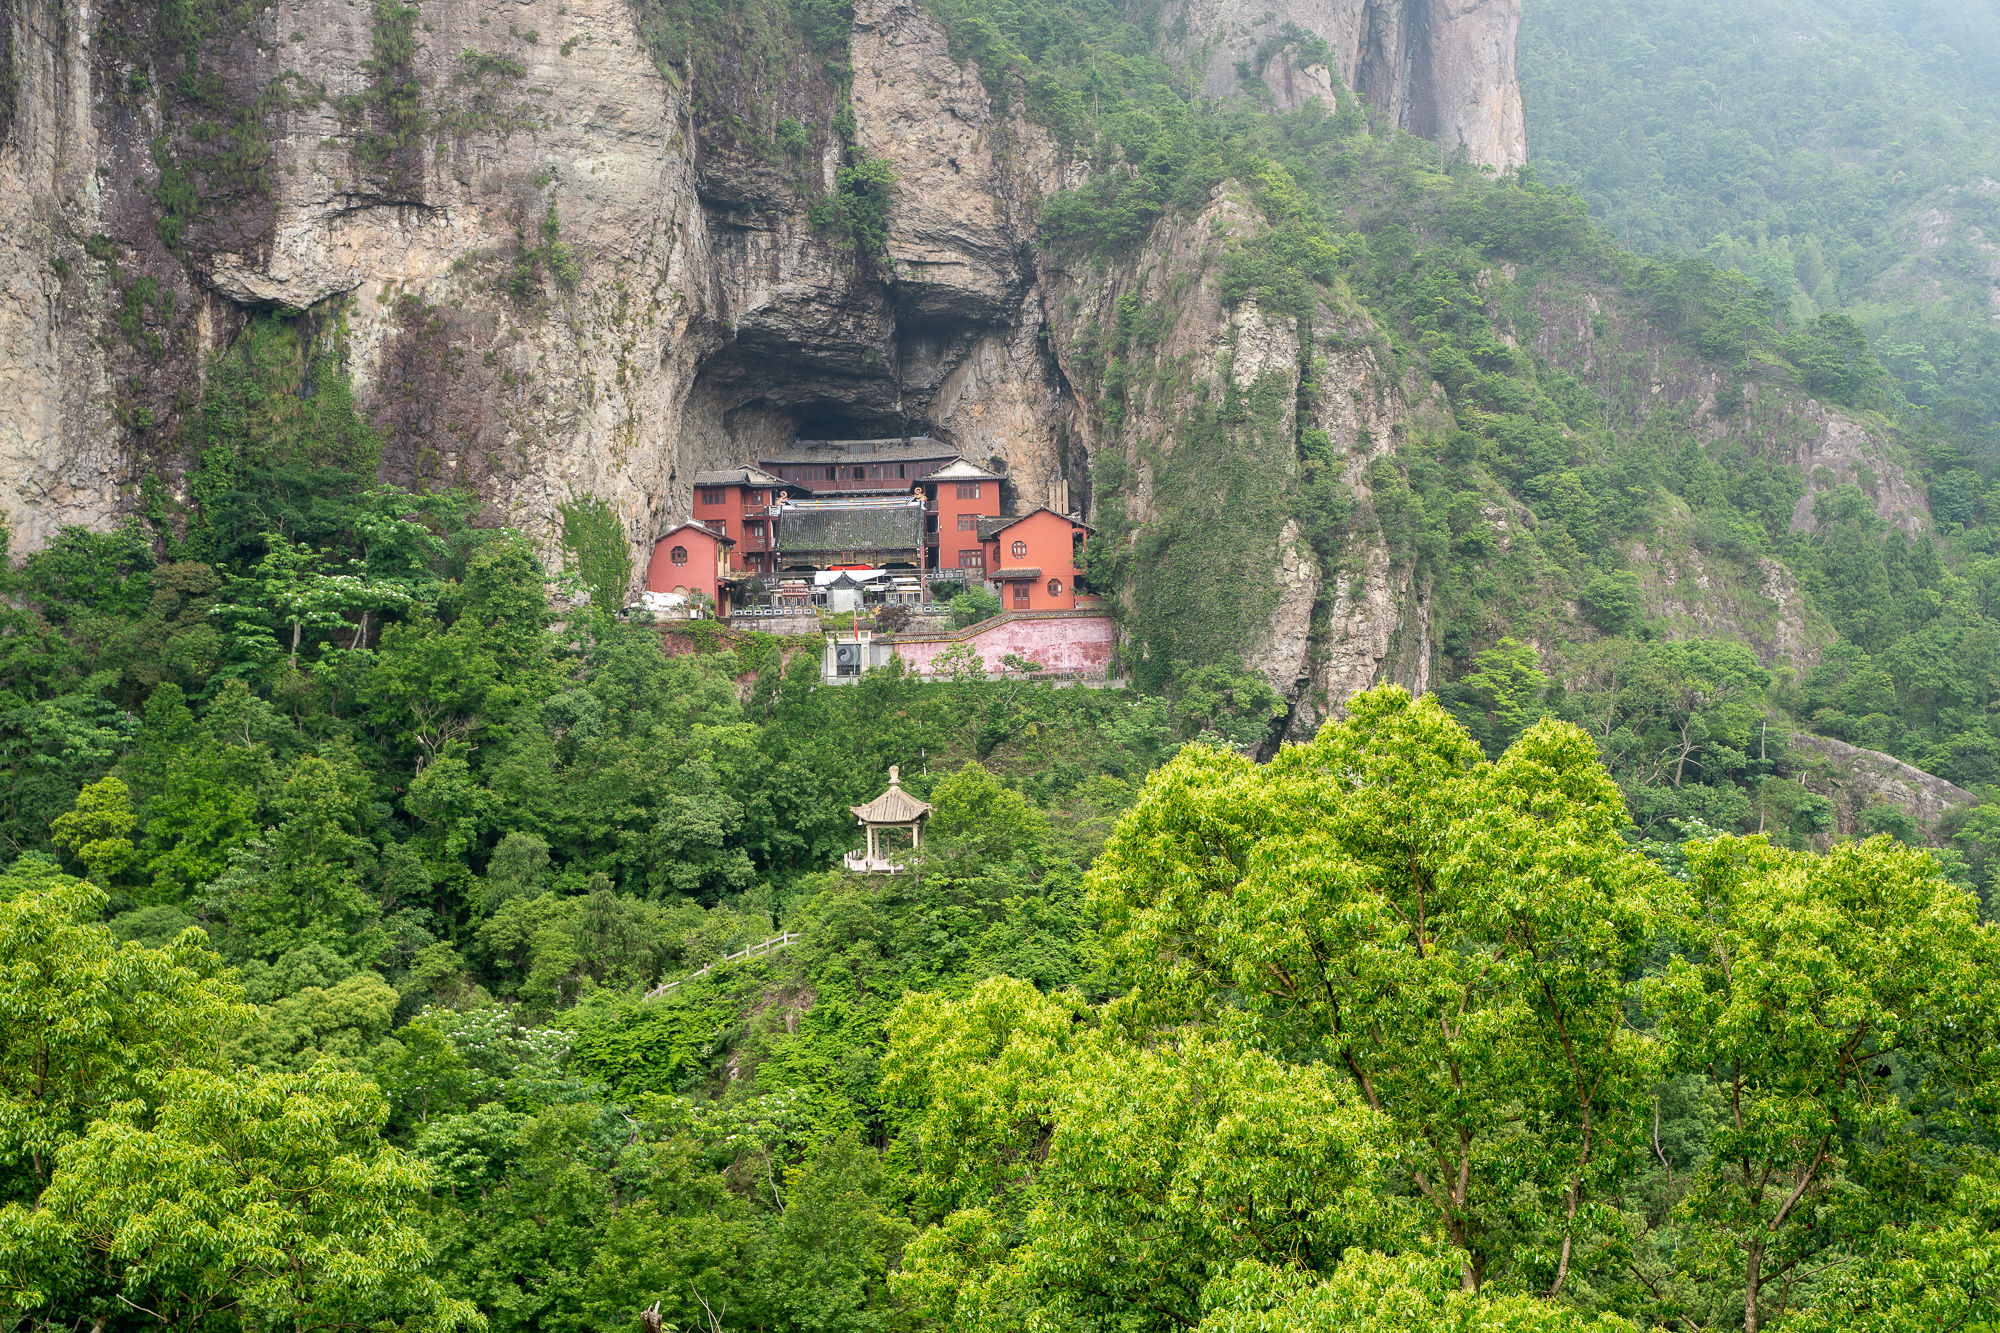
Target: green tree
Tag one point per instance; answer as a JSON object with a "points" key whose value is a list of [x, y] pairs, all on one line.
{"points": [[199, 792], [973, 605], [1505, 692], [308, 879], [1372, 1293], [248, 1201], [1612, 601], [835, 1242], [431, 685], [1094, 1181], [1458, 938], [87, 1023], [1696, 694], [1804, 982], [97, 830], [292, 591]]}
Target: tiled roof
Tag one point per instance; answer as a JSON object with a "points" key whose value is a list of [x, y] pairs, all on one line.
{"points": [[702, 528], [960, 470], [875, 451], [989, 528], [894, 806], [745, 475], [844, 528], [1003, 575]]}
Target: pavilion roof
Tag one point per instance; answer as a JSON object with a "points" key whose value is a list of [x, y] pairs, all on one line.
{"points": [[894, 806]]}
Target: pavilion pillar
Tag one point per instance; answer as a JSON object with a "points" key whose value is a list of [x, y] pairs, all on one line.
{"points": [[871, 843]]}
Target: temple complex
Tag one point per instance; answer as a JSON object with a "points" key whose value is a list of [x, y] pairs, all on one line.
{"points": [[891, 518]]}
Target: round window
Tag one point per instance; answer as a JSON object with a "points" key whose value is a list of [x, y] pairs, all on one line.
{"points": [[1020, 548], [679, 555], [1055, 587]]}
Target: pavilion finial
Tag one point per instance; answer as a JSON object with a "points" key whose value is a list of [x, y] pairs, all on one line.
{"points": [[895, 776]]}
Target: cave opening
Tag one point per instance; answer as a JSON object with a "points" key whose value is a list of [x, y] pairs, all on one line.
{"points": [[834, 424]]}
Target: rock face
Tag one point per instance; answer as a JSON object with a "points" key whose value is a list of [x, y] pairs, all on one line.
{"points": [[61, 458], [1858, 779], [1443, 69], [1639, 372], [556, 266]]}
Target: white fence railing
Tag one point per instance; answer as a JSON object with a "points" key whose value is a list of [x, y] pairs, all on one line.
{"points": [[772, 945]]}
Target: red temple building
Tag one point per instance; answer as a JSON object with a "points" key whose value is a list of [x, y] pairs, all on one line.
{"points": [[689, 562], [961, 494], [742, 503], [896, 514], [859, 467], [1031, 559]]}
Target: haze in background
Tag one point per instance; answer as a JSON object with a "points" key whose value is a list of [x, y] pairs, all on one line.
{"points": [[1845, 153]]}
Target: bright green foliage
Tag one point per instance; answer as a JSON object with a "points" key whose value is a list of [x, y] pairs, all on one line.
{"points": [[974, 605], [431, 687], [1805, 982], [1129, 1177], [1372, 1293], [595, 539], [341, 1023], [83, 571], [85, 1022], [1505, 693], [98, 830], [1932, 1274], [1457, 938], [249, 1201]]}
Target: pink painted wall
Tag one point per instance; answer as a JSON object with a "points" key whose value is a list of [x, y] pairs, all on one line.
{"points": [[1080, 643]]}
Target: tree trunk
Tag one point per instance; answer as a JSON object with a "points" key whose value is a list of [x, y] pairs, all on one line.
{"points": [[1752, 1276], [297, 625]]}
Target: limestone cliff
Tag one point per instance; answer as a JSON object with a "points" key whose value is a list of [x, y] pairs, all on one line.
{"points": [[567, 252], [409, 171], [557, 266], [1444, 70]]}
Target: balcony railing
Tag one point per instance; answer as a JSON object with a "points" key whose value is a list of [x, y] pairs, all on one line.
{"points": [[903, 484]]}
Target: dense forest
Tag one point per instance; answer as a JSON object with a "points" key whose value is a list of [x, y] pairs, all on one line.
{"points": [[1841, 154], [345, 848]]}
